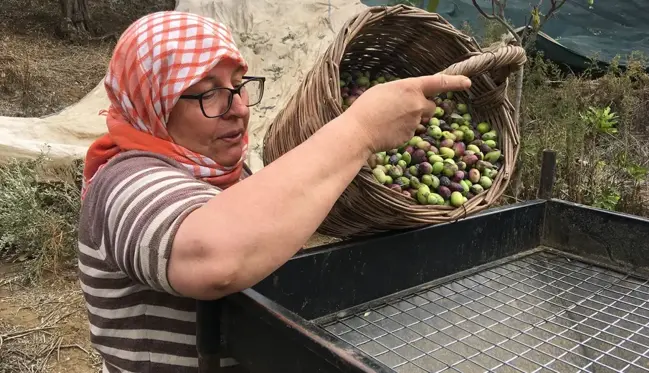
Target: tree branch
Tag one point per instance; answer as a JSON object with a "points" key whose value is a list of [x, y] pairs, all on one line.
{"points": [[479, 8], [529, 38], [500, 20]]}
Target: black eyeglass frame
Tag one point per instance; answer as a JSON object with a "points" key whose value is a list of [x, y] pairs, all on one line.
{"points": [[233, 91]]}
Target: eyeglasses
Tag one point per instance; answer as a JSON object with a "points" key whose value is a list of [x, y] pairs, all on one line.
{"points": [[217, 101]]}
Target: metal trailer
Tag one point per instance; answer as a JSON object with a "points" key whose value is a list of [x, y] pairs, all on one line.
{"points": [[539, 286]]}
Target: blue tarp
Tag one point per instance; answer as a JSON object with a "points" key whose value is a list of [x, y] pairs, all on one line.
{"points": [[576, 33]]}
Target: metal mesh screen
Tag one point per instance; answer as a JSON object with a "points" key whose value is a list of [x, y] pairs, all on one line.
{"points": [[542, 313]]}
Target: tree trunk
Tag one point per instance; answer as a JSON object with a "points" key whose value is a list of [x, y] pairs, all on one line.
{"points": [[75, 20]]}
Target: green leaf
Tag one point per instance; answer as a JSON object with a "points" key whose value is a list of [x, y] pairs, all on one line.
{"points": [[637, 172]]}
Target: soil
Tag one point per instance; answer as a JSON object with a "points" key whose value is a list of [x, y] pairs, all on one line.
{"points": [[43, 328]]}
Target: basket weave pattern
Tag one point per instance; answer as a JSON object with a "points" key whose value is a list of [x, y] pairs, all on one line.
{"points": [[403, 41]]}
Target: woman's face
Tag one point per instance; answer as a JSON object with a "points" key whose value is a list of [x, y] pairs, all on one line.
{"points": [[217, 138]]}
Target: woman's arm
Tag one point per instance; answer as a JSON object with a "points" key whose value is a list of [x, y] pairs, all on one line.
{"points": [[246, 232]]}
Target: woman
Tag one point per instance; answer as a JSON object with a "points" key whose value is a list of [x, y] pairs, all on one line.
{"points": [[170, 213]]}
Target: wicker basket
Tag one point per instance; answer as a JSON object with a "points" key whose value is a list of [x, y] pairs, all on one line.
{"points": [[404, 41]]}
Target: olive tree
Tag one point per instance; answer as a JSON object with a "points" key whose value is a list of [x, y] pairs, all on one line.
{"points": [[75, 19]]}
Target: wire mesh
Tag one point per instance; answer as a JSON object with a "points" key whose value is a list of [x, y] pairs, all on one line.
{"points": [[542, 313]]}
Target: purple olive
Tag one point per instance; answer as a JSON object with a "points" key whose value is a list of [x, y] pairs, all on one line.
{"points": [[425, 168], [428, 139], [418, 156], [421, 129], [444, 191], [356, 91], [470, 159], [448, 106], [456, 187], [446, 143], [395, 187], [410, 149], [394, 159], [459, 149], [444, 181], [484, 148], [459, 176]]}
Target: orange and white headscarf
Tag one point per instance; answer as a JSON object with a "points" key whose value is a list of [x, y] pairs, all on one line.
{"points": [[156, 59]]}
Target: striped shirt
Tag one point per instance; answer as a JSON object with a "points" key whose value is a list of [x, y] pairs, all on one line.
{"points": [[138, 323]]}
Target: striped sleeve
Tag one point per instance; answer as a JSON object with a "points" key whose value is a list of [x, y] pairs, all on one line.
{"points": [[140, 203]]}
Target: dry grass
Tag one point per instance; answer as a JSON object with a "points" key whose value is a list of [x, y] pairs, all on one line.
{"points": [[42, 330], [40, 73]]}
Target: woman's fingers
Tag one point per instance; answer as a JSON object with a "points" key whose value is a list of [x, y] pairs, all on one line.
{"points": [[433, 85]]}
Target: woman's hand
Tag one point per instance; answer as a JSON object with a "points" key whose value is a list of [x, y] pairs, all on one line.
{"points": [[389, 113], [249, 230]]}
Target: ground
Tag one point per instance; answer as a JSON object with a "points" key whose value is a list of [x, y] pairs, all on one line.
{"points": [[43, 328]]}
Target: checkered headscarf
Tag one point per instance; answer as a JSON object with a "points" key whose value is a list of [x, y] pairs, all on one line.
{"points": [[158, 57]]}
